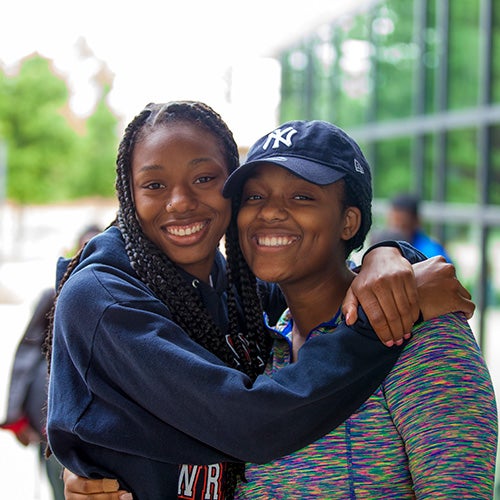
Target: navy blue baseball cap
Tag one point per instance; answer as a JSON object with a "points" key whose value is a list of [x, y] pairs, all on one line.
{"points": [[316, 151]]}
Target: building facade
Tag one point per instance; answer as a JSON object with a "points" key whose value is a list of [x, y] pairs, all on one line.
{"points": [[417, 84]]}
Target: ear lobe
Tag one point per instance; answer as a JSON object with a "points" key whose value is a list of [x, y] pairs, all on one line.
{"points": [[352, 222]]}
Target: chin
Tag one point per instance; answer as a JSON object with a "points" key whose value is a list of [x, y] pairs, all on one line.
{"points": [[269, 276]]}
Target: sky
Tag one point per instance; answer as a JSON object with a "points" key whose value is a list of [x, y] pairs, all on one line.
{"points": [[166, 50]]}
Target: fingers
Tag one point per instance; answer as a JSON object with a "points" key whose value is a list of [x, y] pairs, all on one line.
{"points": [[386, 318], [80, 488], [463, 291], [440, 291], [387, 290], [468, 308], [378, 318], [465, 303], [391, 305], [350, 307], [117, 495]]}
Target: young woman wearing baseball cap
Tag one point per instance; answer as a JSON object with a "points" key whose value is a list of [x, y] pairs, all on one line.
{"points": [[429, 430]]}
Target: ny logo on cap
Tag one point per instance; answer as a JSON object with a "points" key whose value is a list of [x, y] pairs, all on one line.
{"points": [[280, 136]]}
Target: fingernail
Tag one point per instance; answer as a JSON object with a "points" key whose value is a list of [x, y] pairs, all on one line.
{"points": [[126, 496], [407, 336], [399, 341], [389, 343]]}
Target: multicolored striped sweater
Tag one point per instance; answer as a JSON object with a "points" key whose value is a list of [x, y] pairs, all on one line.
{"points": [[429, 431]]}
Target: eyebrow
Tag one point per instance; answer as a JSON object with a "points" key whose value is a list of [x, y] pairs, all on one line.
{"points": [[192, 164], [147, 168]]}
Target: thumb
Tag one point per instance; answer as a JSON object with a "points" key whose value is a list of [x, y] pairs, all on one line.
{"points": [[350, 307]]}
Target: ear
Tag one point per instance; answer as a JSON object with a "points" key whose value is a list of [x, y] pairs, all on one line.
{"points": [[352, 222]]}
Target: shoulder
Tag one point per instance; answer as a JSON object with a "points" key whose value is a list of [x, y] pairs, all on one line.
{"points": [[444, 332], [442, 353], [103, 277]]}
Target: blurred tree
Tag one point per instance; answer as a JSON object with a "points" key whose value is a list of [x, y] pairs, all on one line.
{"points": [[94, 173], [39, 140], [48, 160]]}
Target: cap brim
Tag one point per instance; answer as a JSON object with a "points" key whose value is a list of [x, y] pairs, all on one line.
{"points": [[310, 171]]}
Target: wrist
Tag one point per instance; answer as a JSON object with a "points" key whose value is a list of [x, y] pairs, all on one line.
{"points": [[391, 245]]}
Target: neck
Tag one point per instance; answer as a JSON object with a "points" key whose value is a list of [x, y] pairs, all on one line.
{"points": [[313, 304]]}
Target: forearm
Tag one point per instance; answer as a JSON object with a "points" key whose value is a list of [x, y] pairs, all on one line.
{"points": [[229, 417]]}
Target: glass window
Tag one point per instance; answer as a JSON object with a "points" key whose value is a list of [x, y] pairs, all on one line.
{"points": [[495, 61], [494, 184], [392, 170], [461, 168], [395, 56], [464, 55]]}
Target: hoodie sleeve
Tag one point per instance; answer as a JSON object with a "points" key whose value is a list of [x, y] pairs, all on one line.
{"points": [[126, 378], [408, 251]]}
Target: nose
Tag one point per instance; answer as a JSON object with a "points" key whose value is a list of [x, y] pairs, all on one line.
{"points": [[180, 200], [273, 211]]}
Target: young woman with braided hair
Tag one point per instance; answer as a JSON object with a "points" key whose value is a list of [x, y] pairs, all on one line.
{"points": [[156, 361]]}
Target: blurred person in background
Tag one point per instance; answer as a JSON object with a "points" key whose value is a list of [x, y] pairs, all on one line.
{"points": [[404, 218], [26, 408]]}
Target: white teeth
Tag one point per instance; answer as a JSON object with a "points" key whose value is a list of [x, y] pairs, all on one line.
{"points": [[185, 230], [275, 241]]}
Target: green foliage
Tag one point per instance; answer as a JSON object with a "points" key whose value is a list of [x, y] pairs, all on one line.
{"points": [[45, 154], [94, 175]]}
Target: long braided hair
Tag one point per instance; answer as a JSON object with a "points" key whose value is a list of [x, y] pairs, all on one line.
{"points": [[246, 346]]}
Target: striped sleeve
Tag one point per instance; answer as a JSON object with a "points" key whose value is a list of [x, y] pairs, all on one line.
{"points": [[442, 401]]}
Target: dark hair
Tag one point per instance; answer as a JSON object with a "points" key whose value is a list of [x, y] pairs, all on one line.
{"points": [[250, 340], [358, 195]]}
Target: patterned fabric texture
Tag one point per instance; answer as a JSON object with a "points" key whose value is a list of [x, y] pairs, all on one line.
{"points": [[429, 431]]}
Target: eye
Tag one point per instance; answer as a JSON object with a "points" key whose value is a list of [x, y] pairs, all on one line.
{"points": [[302, 197], [204, 179], [251, 197], [154, 185]]}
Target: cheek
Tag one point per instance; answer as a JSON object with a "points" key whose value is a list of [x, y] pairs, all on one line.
{"points": [[143, 209]]}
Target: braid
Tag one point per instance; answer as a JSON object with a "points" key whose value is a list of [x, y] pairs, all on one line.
{"points": [[244, 281], [161, 275]]}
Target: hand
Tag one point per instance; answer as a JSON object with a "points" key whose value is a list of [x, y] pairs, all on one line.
{"points": [[387, 290], [439, 290], [80, 488]]}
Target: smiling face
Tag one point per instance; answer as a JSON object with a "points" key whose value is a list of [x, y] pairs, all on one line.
{"points": [[292, 230], [178, 172]]}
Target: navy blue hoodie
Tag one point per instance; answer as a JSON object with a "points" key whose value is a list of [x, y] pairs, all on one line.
{"points": [[131, 396]]}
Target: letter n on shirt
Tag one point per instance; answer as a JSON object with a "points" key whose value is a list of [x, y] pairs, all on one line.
{"points": [[200, 482]]}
